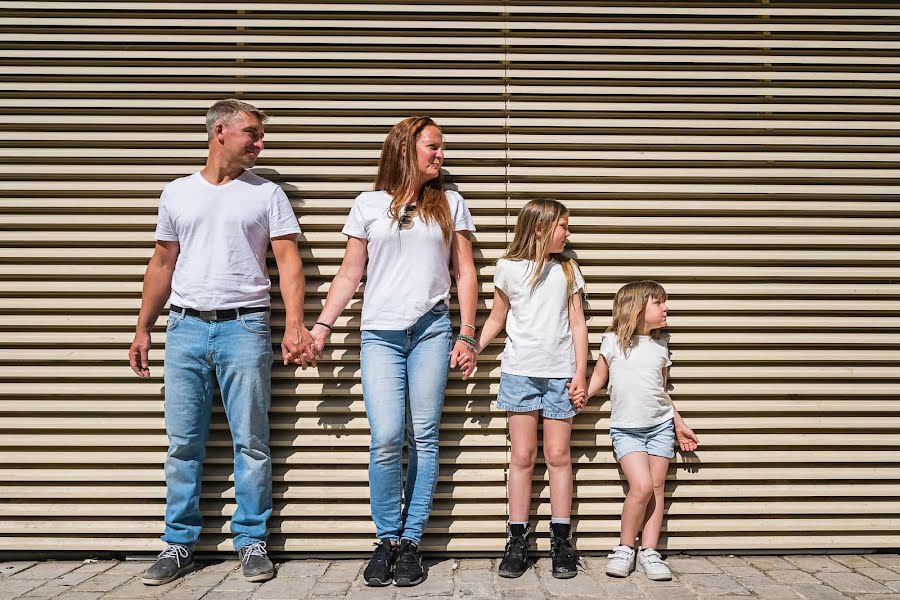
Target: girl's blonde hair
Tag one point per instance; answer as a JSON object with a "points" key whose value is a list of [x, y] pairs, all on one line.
{"points": [[628, 310], [527, 245], [398, 175]]}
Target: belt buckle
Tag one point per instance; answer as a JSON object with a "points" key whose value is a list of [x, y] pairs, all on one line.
{"points": [[208, 315]]}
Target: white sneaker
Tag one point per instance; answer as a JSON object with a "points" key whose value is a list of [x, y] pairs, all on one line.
{"points": [[651, 563], [621, 561]]}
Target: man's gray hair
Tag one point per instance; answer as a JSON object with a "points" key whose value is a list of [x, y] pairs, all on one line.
{"points": [[224, 111]]}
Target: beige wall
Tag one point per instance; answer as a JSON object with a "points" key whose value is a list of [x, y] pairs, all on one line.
{"points": [[745, 156]]}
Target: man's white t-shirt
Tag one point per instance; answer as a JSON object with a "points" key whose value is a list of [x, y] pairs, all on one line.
{"points": [[409, 269], [538, 335], [223, 232], [636, 384]]}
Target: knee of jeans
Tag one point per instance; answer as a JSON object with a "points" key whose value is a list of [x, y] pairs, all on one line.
{"points": [[385, 447], [186, 449], [253, 448]]}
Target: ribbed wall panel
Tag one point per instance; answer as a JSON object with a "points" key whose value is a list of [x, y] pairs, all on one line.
{"points": [[746, 155]]}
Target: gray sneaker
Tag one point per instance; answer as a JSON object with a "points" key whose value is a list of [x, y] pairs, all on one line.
{"points": [[255, 563], [172, 563]]}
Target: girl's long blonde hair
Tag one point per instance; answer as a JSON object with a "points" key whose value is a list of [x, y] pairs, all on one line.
{"points": [[628, 310], [541, 214], [398, 175]]}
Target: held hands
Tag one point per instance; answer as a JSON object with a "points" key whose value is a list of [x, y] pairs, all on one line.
{"points": [[578, 393], [139, 353], [298, 347], [687, 439], [463, 356]]}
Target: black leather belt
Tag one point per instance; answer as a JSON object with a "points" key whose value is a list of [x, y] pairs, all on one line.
{"points": [[228, 314]]}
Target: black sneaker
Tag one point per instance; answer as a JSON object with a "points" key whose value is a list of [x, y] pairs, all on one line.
{"points": [[515, 557], [255, 563], [172, 563], [380, 570], [562, 554], [408, 571]]}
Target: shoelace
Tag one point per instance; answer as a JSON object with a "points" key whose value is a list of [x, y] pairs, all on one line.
{"points": [[408, 553], [562, 544], [517, 546], [254, 549], [176, 552], [382, 551]]}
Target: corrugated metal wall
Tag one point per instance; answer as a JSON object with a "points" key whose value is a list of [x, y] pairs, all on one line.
{"points": [[743, 153]]}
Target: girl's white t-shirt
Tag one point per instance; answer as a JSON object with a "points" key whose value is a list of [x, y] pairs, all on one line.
{"points": [[538, 335], [636, 384], [408, 271]]}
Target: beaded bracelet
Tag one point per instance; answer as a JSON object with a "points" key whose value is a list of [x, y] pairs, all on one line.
{"points": [[472, 327]]}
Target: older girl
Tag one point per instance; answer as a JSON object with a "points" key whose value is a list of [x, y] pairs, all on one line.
{"points": [[409, 229]]}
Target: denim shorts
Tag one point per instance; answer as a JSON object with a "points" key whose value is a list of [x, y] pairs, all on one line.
{"points": [[658, 440], [519, 393]]}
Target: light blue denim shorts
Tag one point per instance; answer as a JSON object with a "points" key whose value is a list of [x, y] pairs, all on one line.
{"points": [[519, 393], [658, 440]]}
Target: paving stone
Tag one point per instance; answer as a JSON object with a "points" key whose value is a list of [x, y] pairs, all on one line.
{"points": [[617, 588], [204, 578], [45, 591], [474, 583], [752, 582], [791, 576], [82, 595], [879, 573], [83, 573], [135, 589], [522, 594], [284, 588], [681, 564], [186, 593], [476, 564], [852, 560], [438, 582], [529, 579], [879, 596], [235, 582], [129, 567], [744, 571], [669, 593], [47, 570], [884, 560], [894, 585], [228, 595], [13, 567], [221, 565], [581, 585], [814, 564], [728, 561], [714, 584], [775, 592], [342, 570], [102, 583], [303, 568], [769, 563], [853, 582], [331, 588], [811, 591]]}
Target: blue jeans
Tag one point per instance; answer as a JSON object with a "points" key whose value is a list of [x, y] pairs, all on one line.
{"points": [[417, 359], [237, 353]]}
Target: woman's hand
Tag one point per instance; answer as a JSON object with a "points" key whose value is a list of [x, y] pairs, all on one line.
{"points": [[687, 439], [463, 356], [320, 335], [577, 393]]}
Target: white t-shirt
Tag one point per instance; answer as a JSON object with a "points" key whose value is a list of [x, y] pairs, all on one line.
{"points": [[636, 384], [538, 335], [409, 269], [223, 232]]}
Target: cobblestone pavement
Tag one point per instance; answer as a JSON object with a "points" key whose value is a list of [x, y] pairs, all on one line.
{"points": [[851, 577]]}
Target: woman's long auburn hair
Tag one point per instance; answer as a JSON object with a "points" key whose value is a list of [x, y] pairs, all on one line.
{"points": [[527, 245], [628, 310], [398, 175]]}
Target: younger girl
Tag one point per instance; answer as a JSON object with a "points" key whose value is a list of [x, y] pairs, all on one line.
{"points": [[643, 424], [538, 299]]}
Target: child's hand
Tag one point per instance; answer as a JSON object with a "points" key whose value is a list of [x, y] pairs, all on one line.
{"points": [[577, 393], [687, 439]]}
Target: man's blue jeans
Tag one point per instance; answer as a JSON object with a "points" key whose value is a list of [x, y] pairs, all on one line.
{"points": [[416, 359], [237, 353]]}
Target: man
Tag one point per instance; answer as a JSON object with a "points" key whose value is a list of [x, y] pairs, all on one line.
{"points": [[212, 233]]}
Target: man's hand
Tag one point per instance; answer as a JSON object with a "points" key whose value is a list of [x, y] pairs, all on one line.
{"points": [[320, 335], [298, 347], [139, 354]]}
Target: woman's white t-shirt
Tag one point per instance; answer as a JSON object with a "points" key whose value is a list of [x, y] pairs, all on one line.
{"points": [[636, 384], [409, 269], [538, 335]]}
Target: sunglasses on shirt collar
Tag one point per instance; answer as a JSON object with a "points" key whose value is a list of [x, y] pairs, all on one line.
{"points": [[406, 220]]}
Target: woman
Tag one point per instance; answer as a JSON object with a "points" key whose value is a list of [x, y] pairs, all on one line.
{"points": [[409, 229]]}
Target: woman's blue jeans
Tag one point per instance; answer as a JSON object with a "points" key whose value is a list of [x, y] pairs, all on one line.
{"points": [[237, 353], [418, 360]]}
